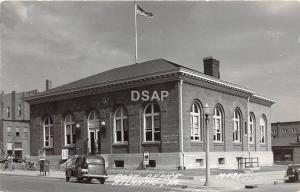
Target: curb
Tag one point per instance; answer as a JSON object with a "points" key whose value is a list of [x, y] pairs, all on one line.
{"points": [[185, 177], [23, 175]]}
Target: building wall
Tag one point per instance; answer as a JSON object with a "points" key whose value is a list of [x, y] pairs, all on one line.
{"points": [[12, 138], [258, 110], [167, 153], [16, 119], [81, 107], [296, 155], [194, 151], [286, 142], [289, 134]]}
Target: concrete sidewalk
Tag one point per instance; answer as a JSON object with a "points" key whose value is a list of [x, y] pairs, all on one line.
{"points": [[223, 182]]}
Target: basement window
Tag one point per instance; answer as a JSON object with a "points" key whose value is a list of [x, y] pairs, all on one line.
{"points": [[152, 163], [199, 162], [119, 163], [221, 161]]}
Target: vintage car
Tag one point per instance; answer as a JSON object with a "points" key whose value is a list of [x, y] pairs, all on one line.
{"points": [[86, 167], [293, 172]]}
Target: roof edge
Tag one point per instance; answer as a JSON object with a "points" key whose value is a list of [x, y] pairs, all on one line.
{"points": [[215, 80], [260, 97]]}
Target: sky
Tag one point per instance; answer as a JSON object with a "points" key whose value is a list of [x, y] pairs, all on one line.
{"points": [[257, 43]]}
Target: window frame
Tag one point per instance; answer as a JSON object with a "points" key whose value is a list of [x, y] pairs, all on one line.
{"points": [[221, 123], [25, 131], [93, 123], [9, 131], [237, 126], [152, 115], [262, 129], [17, 131], [20, 110], [252, 126], [50, 127], [8, 112], [199, 116], [124, 119], [70, 124]]}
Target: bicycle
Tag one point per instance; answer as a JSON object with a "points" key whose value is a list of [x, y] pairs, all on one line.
{"points": [[8, 165]]}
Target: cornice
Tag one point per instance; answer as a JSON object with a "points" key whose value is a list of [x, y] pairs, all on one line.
{"points": [[169, 75], [206, 78], [264, 98], [75, 93]]}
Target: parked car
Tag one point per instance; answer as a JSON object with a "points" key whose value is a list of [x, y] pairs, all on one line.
{"points": [[293, 172], [86, 167]]}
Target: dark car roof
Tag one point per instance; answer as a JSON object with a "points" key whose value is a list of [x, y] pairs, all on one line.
{"points": [[93, 156], [294, 165]]}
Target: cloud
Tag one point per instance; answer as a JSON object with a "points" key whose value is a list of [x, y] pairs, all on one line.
{"points": [[279, 7], [256, 42], [20, 10], [275, 34], [13, 12]]}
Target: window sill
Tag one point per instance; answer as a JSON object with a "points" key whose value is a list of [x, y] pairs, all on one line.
{"points": [[69, 146], [262, 143], [237, 143], [218, 143], [120, 144], [196, 142], [151, 143], [47, 147]]}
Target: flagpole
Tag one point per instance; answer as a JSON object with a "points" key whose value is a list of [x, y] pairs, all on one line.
{"points": [[135, 26]]}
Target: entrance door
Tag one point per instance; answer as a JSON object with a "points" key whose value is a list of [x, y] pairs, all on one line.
{"points": [[239, 162], [94, 141], [18, 154]]}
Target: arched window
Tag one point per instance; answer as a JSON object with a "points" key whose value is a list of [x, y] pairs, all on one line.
{"points": [[70, 137], [120, 126], [236, 134], [262, 130], [48, 131], [20, 109], [251, 128], [93, 120], [196, 122], [218, 124], [152, 122]]}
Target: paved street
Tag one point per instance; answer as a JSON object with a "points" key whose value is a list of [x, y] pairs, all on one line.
{"points": [[10, 183], [282, 187], [37, 184]]}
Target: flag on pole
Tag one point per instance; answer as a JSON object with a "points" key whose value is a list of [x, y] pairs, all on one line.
{"points": [[142, 12]]}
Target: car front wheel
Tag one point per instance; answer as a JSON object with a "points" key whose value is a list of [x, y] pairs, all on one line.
{"points": [[79, 179], [291, 179], [102, 180]]}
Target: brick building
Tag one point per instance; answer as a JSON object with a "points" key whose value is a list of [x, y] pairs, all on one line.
{"points": [[15, 123], [155, 107], [286, 142]]}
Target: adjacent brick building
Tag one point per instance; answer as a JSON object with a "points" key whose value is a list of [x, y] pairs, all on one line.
{"points": [[15, 123], [103, 114], [286, 142]]}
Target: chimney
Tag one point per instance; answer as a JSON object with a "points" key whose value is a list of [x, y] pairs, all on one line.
{"points": [[48, 84], [211, 67]]}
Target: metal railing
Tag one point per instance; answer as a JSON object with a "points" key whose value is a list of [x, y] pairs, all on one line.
{"points": [[244, 163]]}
